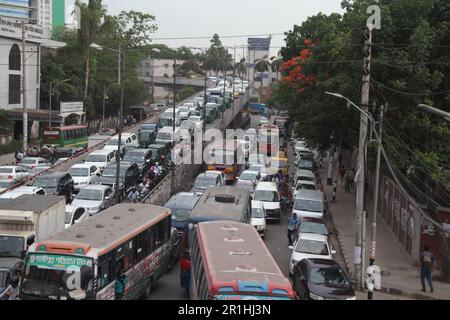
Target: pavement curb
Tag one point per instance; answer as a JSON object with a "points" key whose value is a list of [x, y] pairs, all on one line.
{"points": [[399, 292]]}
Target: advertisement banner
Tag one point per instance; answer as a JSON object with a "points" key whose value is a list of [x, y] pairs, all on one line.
{"points": [[71, 107]]}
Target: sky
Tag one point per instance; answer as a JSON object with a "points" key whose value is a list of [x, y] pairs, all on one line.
{"points": [[203, 18]]}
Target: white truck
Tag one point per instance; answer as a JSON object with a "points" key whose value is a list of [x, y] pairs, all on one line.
{"points": [[23, 221]]}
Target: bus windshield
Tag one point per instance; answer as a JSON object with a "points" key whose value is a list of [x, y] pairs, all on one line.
{"points": [[54, 275], [11, 246]]}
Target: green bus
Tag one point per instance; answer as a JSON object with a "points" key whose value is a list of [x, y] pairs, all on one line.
{"points": [[66, 137]]}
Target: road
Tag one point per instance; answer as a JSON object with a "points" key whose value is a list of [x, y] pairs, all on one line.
{"points": [[168, 287]]}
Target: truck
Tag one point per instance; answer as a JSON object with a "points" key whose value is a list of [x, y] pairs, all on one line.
{"points": [[23, 221]]}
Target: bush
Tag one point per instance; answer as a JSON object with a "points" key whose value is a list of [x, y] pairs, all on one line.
{"points": [[10, 147]]}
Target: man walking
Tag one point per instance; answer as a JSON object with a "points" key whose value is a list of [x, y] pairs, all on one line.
{"points": [[292, 226], [427, 265]]}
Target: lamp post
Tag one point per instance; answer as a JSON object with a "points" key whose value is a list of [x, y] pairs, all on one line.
{"points": [[51, 91], [442, 113], [121, 61]]}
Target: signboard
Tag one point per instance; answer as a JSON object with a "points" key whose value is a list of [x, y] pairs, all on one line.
{"points": [[58, 261], [11, 29], [258, 44], [71, 107]]}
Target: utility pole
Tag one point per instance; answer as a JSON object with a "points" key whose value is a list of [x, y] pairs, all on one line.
{"points": [[242, 70], [358, 259], [104, 103], [50, 107], [119, 142], [234, 73], [206, 95], [224, 83], [373, 246], [24, 91]]}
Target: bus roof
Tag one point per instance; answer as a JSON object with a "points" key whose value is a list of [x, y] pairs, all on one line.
{"points": [[110, 227], [235, 255], [211, 207]]}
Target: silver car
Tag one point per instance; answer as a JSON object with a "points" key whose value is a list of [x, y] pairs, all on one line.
{"points": [[94, 198]]}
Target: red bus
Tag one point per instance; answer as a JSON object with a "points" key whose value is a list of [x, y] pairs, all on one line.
{"points": [[231, 262], [269, 140]]}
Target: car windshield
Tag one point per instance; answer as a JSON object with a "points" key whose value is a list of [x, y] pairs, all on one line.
{"points": [[79, 172], [313, 227], [28, 161], [134, 157], [68, 216], [164, 136], [204, 182], [149, 126], [308, 205], [184, 109], [266, 195], [306, 178], [44, 182], [305, 186], [6, 184], [111, 172], [11, 246], [89, 194], [312, 247], [96, 158], [257, 213], [248, 176], [329, 277], [180, 214], [6, 170], [305, 164], [48, 275]]}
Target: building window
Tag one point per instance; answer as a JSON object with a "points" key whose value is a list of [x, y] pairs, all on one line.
{"points": [[14, 89], [14, 58]]}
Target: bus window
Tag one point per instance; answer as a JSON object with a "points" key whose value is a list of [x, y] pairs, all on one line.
{"points": [[139, 247], [149, 242], [104, 274]]}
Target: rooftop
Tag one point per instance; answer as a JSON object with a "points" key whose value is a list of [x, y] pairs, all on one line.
{"points": [[31, 202]]}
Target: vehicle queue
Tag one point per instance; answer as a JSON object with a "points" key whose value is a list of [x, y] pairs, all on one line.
{"points": [[227, 210]]}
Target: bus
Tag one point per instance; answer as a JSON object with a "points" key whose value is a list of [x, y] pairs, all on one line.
{"points": [[242, 269], [217, 203], [269, 140], [226, 156], [82, 261], [66, 137]]}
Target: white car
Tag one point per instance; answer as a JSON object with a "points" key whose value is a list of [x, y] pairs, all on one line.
{"points": [[13, 172], [94, 198], [17, 192], [309, 246], [304, 185], [101, 158], [259, 217], [248, 175], [259, 168], [83, 174], [6, 184], [184, 112], [31, 162], [267, 192], [74, 215], [198, 122]]}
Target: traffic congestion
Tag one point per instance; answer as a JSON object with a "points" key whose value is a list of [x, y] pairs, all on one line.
{"points": [[92, 234]]}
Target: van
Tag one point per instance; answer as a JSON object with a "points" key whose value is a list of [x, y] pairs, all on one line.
{"points": [[101, 158], [129, 140], [309, 203], [165, 135], [267, 192], [166, 120]]}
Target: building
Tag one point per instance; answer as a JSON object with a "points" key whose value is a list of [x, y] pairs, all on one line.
{"points": [[19, 10], [258, 48], [45, 15], [58, 14]]}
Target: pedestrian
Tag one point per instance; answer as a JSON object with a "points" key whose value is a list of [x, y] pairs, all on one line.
{"points": [[121, 281], [292, 227], [342, 172], [19, 156], [427, 264], [13, 287], [347, 181], [352, 180], [133, 195]]}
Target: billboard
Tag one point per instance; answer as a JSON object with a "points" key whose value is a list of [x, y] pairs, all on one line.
{"points": [[71, 107], [258, 44]]}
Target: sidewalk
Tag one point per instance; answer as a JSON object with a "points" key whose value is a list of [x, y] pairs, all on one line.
{"points": [[399, 276]]}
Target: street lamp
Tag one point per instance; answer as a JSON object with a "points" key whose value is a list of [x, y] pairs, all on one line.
{"points": [[439, 112], [52, 88], [121, 62]]}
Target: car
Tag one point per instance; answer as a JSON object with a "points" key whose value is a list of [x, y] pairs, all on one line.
{"points": [[309, 203], [112, 144], [205, 181], [181, 205], [149, 126], [259, 217], [187, 129], [31, 162], [184, 111], [129, 176], [310, 245], [56, 183], [142, 157], [94, 198], [101, 158], [259, 168], [304, 185], [198, 120], [253, 176], [267, 192], [38, 170], [146, 135], [6, 184], [321, 279], [305, 165], [75, 214], [304, 175], [312, 225], [17, 192], [83, 174], [15, 173], [128, 140]]}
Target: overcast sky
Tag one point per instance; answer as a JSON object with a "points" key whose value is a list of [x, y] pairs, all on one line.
{"points": [[203, 18]]}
